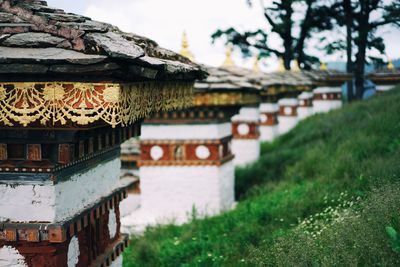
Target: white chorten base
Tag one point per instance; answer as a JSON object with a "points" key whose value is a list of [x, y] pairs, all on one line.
{"points": [[117, 262], [322, 106], [171, 194], [50, 203], [269, 133], [10, 257], [385, 88], [245, 151], [304, 112], [286, 123], [130, 204]]}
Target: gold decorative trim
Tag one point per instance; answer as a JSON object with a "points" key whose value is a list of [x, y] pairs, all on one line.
{"points": [[275, 90], [59, 103], [225, 99]]}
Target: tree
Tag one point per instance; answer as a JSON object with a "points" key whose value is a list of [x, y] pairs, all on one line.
{"points": [[280, 17], [362, 19]]}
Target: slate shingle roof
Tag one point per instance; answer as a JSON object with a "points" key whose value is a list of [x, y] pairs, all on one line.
{"points": [[226, 79], [36, 39]]}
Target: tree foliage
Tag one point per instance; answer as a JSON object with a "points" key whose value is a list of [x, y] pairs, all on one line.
{"points": [[280, 17]]}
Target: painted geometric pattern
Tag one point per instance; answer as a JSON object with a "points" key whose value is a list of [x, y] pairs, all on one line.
{"points": [[59, 103]]}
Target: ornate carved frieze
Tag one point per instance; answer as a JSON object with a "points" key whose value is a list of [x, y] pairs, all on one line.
{"points": [[282, 89], [194, 114], [34, 154], [269, 118], [245, 130], [225, 98], [327, 96], [307, 102], [185, 152], [62, 104], [288, 111]]}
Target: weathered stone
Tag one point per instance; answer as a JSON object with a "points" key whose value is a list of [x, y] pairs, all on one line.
{"points": [[143, 72], [62, 17], [88, 25], [47, 55], [23, 68], [173, 67], [13, 28], [9, 18], [115, 45], [36, 39], [84, 69]]}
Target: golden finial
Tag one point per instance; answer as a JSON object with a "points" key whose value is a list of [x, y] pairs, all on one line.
{"points": [[228, 60], [256, 67], [281, 66], [323, 66], [295, 65], [390, 65], [185, 48]]}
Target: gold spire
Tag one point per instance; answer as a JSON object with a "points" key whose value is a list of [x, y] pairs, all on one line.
{"points": [[323, 66], [281, 66], [228, 60], [256, 66], [185, 48], [390, 65], [295, 65]]}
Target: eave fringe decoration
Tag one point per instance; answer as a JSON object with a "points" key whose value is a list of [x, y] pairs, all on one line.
{"points": [[62, 103]]}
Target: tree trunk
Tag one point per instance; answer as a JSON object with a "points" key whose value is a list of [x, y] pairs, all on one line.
{"points": [[363, 30], [287, 33], [349, 45], [305, 29]]}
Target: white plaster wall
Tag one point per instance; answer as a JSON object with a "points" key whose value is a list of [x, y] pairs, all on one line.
{"points": [[186, 132], [321, 90], [245, 151], [286, 123], [322, 106], [269, 133], [170, 193], [305, 95], [117, 262], [52, 203], [269, 107], [129, 204], [10, 257], [73, 252], [289, 102], [384, 88], [304, 112], [248, 114], [112, 223]]}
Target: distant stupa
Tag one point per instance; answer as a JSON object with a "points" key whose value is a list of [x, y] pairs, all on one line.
{"points": [[390, 65], [295, 65], [323, 66], [256, 65], [185, 48], [281, 66], [228, 59]]}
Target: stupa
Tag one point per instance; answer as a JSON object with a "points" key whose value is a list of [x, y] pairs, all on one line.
{"points": [[71, 91]]}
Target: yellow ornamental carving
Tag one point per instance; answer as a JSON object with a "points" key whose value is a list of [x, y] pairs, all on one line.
{"points": [[2, 93], [60, 103]]}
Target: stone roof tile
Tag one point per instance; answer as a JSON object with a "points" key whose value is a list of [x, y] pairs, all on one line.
{"points": [[33, 33]]}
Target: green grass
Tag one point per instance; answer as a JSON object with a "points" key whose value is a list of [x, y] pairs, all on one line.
{"points": [[355, 149]]}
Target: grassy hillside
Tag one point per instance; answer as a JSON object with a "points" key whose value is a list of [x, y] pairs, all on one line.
{"points": [[324, 194]]}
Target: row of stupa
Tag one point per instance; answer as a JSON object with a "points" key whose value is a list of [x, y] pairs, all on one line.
{"points": [[185, 160], [72, 90]]}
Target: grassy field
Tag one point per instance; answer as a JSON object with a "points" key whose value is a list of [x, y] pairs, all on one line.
{"points": [[325, 194]]}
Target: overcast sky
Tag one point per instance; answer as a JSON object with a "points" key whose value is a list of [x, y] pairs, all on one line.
{"points": [[165, 20]]}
